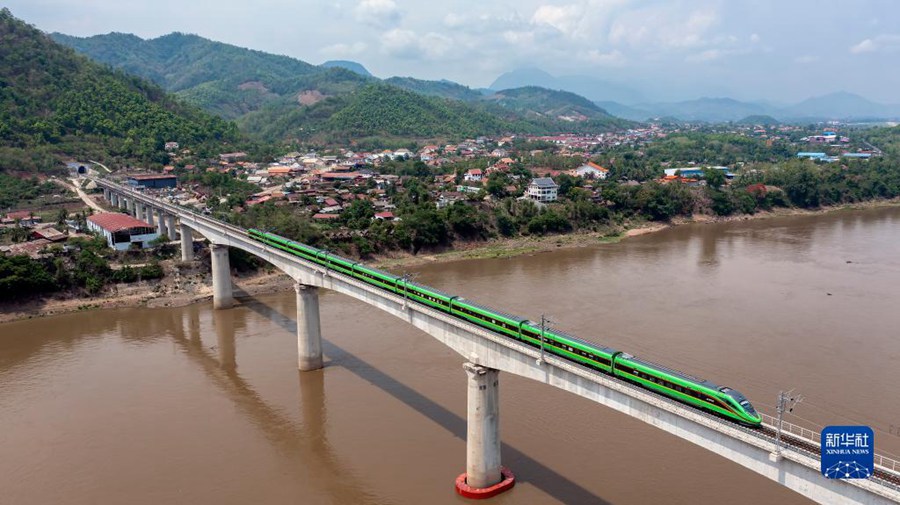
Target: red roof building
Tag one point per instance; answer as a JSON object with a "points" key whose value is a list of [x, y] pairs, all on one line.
{"points": [[122, 230]]}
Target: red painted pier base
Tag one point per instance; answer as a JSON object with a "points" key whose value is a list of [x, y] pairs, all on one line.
{"points": [[509, 480]]}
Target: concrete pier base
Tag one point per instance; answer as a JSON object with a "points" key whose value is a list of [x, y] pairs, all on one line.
{"points": [[170, 227], [484, 476], [223, 297], [309, 330], [187, 244]]}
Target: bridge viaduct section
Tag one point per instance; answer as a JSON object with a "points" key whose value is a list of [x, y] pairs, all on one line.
{"points": [[487, 354]]}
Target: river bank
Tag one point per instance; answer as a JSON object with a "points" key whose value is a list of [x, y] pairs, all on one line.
{"points": [[177, 290]]}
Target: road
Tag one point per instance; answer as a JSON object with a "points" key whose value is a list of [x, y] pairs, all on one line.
{"points": [[76, 187]]}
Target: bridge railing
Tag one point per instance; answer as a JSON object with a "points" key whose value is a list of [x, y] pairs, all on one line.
{"points": [[792, 429], [816, 437]]}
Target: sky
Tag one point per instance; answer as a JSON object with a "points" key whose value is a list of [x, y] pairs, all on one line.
{"points": [[780, 51]]}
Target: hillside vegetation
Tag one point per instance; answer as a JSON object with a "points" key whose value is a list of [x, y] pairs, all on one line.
{"points": [[55, 103], [546, 103], [277, 97], [378, 109]]}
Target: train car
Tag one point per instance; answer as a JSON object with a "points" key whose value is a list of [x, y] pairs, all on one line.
{"points": [[722, 401]]}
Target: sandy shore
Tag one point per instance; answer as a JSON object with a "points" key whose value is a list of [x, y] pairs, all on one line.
{"points": [[176, 290]]}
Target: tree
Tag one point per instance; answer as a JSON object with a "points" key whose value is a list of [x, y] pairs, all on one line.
{"points": [[61, 217], [423, 227], [466, 221], [714, 177], [358, 215]]}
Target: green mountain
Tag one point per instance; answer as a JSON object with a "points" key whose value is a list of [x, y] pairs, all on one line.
{"points": [[762, 120], [276, 97], [55, 103], [221, 78], [349, 65], [378, 109], [443, 89], [533, 101]]}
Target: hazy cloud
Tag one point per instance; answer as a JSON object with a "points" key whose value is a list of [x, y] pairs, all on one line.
{"points": [[671, 49], [411, 45], [378, 12], [887, 43], [344, 50]]}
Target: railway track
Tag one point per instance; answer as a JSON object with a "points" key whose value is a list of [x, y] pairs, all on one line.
{"points": [[813, 449]]}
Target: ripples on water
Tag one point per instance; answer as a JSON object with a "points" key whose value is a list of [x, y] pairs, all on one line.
{"points": [[191, 405]]}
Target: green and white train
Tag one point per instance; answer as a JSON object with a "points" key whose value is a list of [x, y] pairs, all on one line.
{"points": [[702, 394]]}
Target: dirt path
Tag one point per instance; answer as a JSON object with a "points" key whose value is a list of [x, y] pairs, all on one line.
{"points": [[84, 196]]}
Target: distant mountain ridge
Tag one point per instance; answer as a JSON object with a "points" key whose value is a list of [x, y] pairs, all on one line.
{"points": [[622, 101], [586, 86], [834, 106], [349, 65], [275, 95], [563, 105]]}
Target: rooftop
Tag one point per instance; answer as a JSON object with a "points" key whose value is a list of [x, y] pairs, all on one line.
{"points": [[544, 182], [150, 177], [113, 222]]}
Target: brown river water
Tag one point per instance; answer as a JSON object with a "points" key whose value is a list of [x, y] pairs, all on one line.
{"points": [[195, 406]]}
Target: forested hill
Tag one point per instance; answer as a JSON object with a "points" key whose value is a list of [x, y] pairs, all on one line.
{"points": [[443, 89], [533, 100], [274, 97], [224, 79], [379, 109], [55, 103], [179, 61]]}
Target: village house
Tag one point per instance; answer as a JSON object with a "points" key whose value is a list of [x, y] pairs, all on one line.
{"points": [[542, 189], [591, 170], [23, 218], [474, 175]]}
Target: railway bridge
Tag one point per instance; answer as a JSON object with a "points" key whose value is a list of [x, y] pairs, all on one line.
{"points": [[794, 462]]}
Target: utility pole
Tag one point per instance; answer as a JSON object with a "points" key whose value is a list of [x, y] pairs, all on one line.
{"points": [[787, 400], [406, 278], [545, 321]]}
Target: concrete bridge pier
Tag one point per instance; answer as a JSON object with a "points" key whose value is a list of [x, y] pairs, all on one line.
{"points": [[129, 203], [223, 297], [484, 476], [138, 210], [106, 194], [187, 244], [148, 215], [170, 226], [161, 223], [309, 329], [113, 199]]}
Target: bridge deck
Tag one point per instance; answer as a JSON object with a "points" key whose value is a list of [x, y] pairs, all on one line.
{"points": [[799, 444]]}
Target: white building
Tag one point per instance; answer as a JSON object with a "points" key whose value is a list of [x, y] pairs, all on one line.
{"points": [[591, 170], [542, 189], [122, 230], [474, 175]]}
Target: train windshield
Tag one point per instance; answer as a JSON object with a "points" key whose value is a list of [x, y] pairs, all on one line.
{"points": [[748, 407]]}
